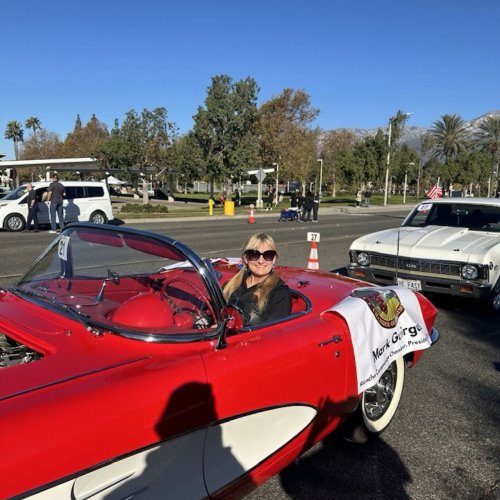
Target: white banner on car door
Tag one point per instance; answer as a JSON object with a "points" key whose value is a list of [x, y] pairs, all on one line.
{"points": [[385, 323]]}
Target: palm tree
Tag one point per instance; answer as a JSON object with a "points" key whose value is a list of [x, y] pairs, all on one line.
{"points": [[450, 137], [15, 132], [33, 123], [487, 138]]}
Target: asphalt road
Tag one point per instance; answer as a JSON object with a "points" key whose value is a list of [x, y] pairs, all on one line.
{"points": [[445, 440]]}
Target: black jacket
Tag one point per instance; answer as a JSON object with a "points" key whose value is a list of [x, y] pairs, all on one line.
{"points": [[279, 303]]}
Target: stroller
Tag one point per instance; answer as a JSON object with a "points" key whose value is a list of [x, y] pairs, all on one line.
{"points": [[288, 215]]}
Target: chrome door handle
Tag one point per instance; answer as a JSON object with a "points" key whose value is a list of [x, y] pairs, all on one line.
{"points": [[335, 340]]}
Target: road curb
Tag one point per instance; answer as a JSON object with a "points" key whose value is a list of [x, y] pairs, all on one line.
{"points": [[263, 214]]}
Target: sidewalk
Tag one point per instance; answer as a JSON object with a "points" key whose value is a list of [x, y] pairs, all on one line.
{"points": [[324, 210]]}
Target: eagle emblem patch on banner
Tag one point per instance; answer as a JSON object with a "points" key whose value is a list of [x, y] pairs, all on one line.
{"points": [[384, 304]]}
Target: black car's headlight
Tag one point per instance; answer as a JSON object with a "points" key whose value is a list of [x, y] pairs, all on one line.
{"points": [[363, 259], [469, 272]]}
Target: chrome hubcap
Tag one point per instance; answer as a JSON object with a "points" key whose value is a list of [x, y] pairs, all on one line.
{"points": [[15, 224], [377, 399]]}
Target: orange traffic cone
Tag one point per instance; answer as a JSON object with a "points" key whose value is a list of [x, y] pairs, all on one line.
{"points": [[313, 262], [251, 218]]}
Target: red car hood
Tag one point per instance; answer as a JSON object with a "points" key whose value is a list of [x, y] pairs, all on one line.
{"points": [[69, 351]]}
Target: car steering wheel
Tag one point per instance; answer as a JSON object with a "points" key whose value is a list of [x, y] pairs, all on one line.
{"points": [[201, 316]]}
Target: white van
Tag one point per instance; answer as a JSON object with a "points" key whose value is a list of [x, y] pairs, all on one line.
{"points": [[84, 201]]}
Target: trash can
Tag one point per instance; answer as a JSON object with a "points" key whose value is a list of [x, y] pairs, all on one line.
{"points": [[229, 208]]}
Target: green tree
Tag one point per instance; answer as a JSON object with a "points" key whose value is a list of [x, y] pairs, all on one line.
{"points": [[34, 124], [46, 145], [226, 128], [156, 134], [187, 159], [141, 140], [285, 119], [303, 151], [82, 141], [15, 132], [487, 139], [333, 146], [450, 137]]}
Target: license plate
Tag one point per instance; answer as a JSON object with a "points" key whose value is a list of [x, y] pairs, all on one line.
{"points": [[415, 285]]}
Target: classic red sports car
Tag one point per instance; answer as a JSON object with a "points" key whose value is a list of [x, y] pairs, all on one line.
{"points": [[123, 373]]}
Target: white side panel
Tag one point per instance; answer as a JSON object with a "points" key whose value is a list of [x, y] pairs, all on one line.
{"points": [[172, 470], [235, 447]]}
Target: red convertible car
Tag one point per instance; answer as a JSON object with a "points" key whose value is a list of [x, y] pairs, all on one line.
{"points": [[123, 372]]}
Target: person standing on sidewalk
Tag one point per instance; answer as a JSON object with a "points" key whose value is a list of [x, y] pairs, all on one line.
{"points": [[368, 195], [316, 200], [270, 199], [55, 197], [358, 198], [308, 206], [32, 209]]}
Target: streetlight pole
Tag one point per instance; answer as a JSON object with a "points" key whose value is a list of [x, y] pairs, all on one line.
{"points": [[277, 172], [411, 164], [320, 175], [418, 178], [388, 164], [404, 190]]}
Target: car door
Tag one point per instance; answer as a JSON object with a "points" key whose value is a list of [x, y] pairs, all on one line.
{"points": [[165, 404], [72, 203], [276, 389], [43, 208]]}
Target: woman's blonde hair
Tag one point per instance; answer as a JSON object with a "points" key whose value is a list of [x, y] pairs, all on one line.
{"points": [[264, 288]]}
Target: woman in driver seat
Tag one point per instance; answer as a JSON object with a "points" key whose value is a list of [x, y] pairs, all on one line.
{"points": [[257, 289]]}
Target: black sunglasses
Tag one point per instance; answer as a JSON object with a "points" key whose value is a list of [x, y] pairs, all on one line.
{"points": [[254, 255]]}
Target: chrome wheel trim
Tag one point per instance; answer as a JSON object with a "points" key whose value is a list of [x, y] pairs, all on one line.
{"points": [[378, 398], [98, 218], [380, 402], [15, 223]]}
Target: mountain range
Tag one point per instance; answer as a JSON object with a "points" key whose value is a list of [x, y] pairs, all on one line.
{"points": [[412, 135]]}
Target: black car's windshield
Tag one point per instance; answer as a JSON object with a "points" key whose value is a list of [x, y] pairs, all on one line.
{"points": [[471, 216]]}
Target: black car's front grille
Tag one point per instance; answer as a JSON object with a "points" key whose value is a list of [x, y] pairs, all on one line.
{"points": [[416, 265]]}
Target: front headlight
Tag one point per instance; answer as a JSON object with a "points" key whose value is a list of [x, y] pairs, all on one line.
{"points": [[363, 259], [469, 272]]}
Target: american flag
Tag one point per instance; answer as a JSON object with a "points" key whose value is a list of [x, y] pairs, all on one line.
{"points": [[435, 191]]}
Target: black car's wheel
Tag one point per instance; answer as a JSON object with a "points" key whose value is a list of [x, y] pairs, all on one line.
{"points": [[14, 222], [495, 297], [98, 217], [378, 405]]}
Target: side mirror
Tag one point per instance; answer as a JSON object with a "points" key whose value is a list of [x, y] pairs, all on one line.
{"points": [[234, 319], [233, 322]]}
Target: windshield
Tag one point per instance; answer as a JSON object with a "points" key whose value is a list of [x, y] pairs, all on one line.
{"points": [[15, 194], [471, 216], [121, 280]]}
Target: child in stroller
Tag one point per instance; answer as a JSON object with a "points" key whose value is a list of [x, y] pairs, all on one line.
{"points": [[289, 214]]}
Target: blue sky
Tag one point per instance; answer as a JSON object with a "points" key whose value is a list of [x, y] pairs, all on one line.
{"points": [[359, 60]]}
